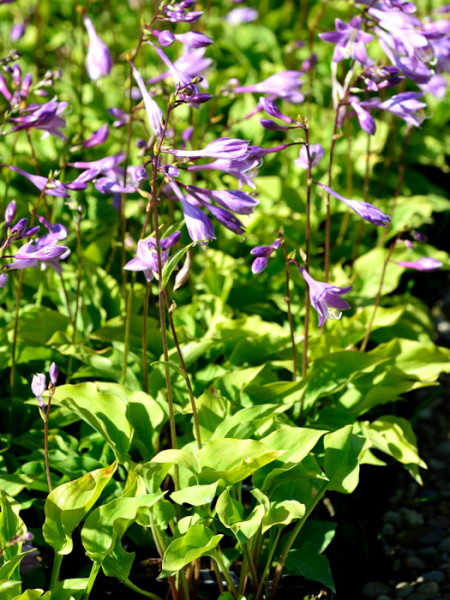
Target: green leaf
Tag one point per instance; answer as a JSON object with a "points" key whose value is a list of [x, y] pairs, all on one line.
{"points": [[11, 525], [196, 495], [233, 460], [34, 595], [177, 457], [296, 442], [9, 589], [308, 562], [198, 541], [228, 509], [9, 566], [394, 436], [108, 523], [343, 454], [67, 505], [282, 513], [103, 408], [118, 563], [170, 265]]}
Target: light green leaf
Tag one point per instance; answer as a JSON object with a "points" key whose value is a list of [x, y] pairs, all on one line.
{"points": [[104, 410], [9, 589], [196, 495], [67, 505], [343, 453], [198, 541], [170, 265], [282, 513], [108, 523], [11, 525], [177, 457]]}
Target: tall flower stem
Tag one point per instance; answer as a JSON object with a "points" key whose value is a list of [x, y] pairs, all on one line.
{"points": [[78, 290], [307, 258], [92, 577], [185, 371], [54, 578], [12, 374], [327, 197], [378, 298], [148, 290], [288, 303]]}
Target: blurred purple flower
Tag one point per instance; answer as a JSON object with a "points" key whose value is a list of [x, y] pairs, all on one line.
{"points": [[240, 15], [262, 254], [98, 59], [154, 114], [281, 85], [234, 200], [227, 148], [10, 213], [18, 31], [326, 298], [422, 264], [97, 138], [52, 188], [3, 280], [272, 109], [405, 105], [363, 209], [43, 116], [349, 39]]}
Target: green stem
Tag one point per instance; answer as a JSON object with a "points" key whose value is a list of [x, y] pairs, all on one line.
{"points": [[185, 372], [266, 571], [55, 571], [289, 309], [144, 338], [12, 374], [78, 290], [307, 261], [231, 587], [92, 577], [139, 590], [378, 298], [291, 539]]}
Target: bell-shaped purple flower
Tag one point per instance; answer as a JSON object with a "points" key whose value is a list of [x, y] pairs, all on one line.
{"points": [[194, 39], [199, 226], [98, 59], [234, 200], [240, 15], [43, 116], [363, 209], [326, 298], [52, 188], [154, 114], [3, 280], [147, 257], [38, 387], [405, 105], [272, 109], [262, 254], [53, 373], [316, 153], [281, 85], [10, 213], [227, 148]]}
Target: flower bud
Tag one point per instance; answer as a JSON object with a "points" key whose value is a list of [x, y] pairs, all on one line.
{"points": [[53, 373]]}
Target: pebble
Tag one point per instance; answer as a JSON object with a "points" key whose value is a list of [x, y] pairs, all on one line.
{"points": [[443, 449], [437, 576], [436, 464], [373, 589], [430, 587], [414, 562], [383, 597], [429, 538], [411, 518], [444, 546], [403, 590], [393, 517]]}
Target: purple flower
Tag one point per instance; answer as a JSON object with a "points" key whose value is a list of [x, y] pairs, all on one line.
{"points": [[365, 119], [422, 264], [262, 254], [192, 63], [363, 209], [240, 15], [199, 226], [52, 188], [272, 109], [281, 85], [405, 105], [30, 254], [316, 153], [98, 59], [10, 213], [154, 114], [97, 138], [349, 39], [80, 183], [326, 298], [234, 200], [147, 257], [3, 280], [178, 12], [194, 39], [18, 30], [38, 387], [227, 148], [53, 373], [103, 164], [122, 118], [43, 116]]}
